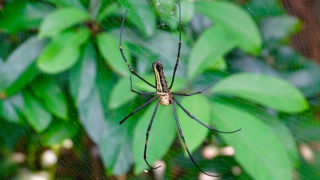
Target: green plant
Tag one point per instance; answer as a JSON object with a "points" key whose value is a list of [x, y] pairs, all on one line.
{"points": [[62, 77]]}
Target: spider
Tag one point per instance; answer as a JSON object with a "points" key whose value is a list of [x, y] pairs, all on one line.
{"points": [[164, 95]]}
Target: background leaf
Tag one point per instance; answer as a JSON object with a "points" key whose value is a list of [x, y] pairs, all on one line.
{"points": [[269, 91], [119, 156], [121, 93], [60, 20], [256, 153], [38, 117], [62, 52], [109, 49], [22, 15], [211, 45], [140, 14], [51, 94], [235, 20], [59, 131], [18, 63]]}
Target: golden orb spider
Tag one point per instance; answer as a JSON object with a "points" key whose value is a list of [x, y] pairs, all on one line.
{"points": [[164, 96]]}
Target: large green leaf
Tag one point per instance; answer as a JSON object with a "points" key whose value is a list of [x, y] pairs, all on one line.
{"points": [[87, 73], [235, 20], [20, 63], [60, 20], [268, 91], [140, 13], [194, 132], [119, 156], [51, 94], [92, 116], [121, 93], [62, 52], [162, 134], [272, 120], [109, 49], [257, 148], [211, 46], [38, 117]]}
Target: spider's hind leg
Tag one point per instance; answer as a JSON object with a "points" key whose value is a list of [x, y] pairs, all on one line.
{"points": [[147, 137], [185, 144]]}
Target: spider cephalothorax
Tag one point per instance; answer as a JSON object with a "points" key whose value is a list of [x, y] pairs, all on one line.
{"points": [[164, 95]]}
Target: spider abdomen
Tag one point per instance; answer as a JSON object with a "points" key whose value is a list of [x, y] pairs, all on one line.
{"points": [[165, 99]]}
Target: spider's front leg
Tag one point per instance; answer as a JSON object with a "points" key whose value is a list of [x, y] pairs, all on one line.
{"points": [[190, 94]]}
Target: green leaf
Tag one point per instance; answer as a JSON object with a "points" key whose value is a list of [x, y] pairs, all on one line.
{"points": [[109, 49], [187, 11], [20, 15], [268, 91], [262, 8], [108, 10], [38, 117], [60, 20], [219, 64], [92, 116], [167, 12], [18, 65], [9, 108], [213, 44], [58, 132], [161, 137], [235, 20], [83, 75], [88, 73], [26, 77], [119, 156], [277, 126], [62, 52], [257, 148], [70, 3], [283, 134], [121, 93], [140, 14], [51, 94], [199, 107]]}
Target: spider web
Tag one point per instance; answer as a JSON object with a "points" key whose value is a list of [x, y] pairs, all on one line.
{"points": [[167, 53]]}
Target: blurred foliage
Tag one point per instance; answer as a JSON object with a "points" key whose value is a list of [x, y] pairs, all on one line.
{"points": [[64, 87]]}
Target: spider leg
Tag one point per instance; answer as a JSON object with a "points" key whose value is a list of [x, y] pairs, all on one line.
{"points": [[136, 110], [147, 137], [139, 93], [185, 144], [179, 47], [124, 57], [194, 118], [190, 94]]}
